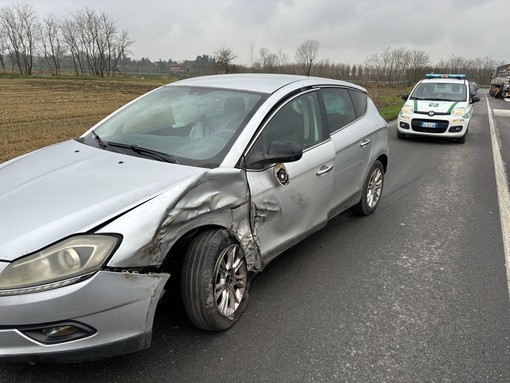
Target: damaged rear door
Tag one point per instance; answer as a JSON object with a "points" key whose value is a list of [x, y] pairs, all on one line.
{"points": [[291, 200]]}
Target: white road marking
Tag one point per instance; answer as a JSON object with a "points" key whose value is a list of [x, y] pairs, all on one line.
{"points": [[502, 112], [503, 193]]}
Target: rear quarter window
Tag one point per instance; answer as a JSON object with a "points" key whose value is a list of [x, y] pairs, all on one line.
{"points": [[359, 99]]}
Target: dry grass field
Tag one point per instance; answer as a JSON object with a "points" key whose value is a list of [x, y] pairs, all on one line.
{"points": [[36, 112], [39, 112]]}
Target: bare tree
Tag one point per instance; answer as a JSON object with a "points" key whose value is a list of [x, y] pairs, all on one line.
{"points": [[419, 62], [252, 54], [20, 26], [359, 73], [51, 38], [376, 66], [270, 62], [70, 34], [347, 72], [283, 59], [88, 24], [95, 43], [224, 58], [478, 69], [119, 51], [397, 66], [306, 55], [3, 47], [267, 61]]}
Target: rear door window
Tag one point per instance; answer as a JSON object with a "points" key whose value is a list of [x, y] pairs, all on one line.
{"points": [[339, 108]]}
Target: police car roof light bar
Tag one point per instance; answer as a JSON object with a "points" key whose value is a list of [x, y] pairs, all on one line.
{"points": [[438, 75]]}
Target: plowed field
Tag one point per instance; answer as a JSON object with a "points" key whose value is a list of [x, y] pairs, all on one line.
{"points": [[37, 112]]}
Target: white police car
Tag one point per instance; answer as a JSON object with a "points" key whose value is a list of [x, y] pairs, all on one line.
{"points": [[440, 105]]}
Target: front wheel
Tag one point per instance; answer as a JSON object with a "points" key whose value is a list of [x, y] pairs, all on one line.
{"points": [[400, 135], [214, 281], [372, 191]]}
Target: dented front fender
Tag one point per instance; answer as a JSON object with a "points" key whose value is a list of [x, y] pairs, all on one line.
{"points": [[218, 197]]}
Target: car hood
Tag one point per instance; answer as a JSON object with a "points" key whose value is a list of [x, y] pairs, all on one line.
{"points": [[72, 188], [436, 106]]}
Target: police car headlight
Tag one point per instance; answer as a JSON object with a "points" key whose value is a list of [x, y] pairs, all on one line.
{"points": [[58, 265], [458, 111], [407, 109]]}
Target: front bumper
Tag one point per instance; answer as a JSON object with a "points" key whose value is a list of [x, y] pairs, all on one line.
{"points": [[444, 126], [116, 309]]}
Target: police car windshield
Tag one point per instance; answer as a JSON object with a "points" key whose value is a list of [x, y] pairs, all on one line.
{"points": [[440, 92]]}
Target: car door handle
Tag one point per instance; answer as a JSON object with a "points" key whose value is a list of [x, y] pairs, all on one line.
{"points": [[364, 142], [324, 169]]}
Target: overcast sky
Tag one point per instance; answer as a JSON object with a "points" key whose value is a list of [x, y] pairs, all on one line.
{"points": [[348, 31]]}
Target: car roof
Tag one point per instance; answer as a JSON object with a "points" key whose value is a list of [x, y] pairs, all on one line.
{"points": [[259, 82], [443, 81]]}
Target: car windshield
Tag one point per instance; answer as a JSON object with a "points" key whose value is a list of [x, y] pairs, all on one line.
{"points": [[439, 92], [187, 125]]}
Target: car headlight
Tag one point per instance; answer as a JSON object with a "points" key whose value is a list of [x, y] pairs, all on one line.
{"points": [[407, 109], [458, 111], [57, 265]]}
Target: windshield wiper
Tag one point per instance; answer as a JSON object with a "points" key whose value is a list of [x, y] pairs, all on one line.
{"points": [[101, 143], [148, 152]]}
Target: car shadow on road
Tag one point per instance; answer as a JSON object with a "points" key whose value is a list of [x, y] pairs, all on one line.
{"points": [[430, 140]]}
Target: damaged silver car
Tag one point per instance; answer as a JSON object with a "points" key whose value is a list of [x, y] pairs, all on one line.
{"points": [[201, 183]]}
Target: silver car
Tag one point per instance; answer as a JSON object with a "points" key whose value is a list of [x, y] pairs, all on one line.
{"points": [[195, 186]]}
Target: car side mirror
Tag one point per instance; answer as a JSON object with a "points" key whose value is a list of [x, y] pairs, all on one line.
{"points": [[405, 96], [475, 99], [278, 152]]}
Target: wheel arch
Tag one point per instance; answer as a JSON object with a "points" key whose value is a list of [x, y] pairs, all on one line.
{"points": [[383, 158], [175, 255]]}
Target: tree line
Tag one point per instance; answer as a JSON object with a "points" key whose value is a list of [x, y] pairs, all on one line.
{"points": [[403, 66], [88, 43]]}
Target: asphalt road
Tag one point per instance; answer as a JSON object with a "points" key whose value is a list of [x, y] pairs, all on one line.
{"points": [[417, 292]]}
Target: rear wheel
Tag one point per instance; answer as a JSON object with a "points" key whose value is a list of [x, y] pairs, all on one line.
{"points": [[214, 281], [372, 191]]}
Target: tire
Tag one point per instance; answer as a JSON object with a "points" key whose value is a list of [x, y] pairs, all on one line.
{"points": [[372, 191], [462, 140], [400, 135], [214, 281]]}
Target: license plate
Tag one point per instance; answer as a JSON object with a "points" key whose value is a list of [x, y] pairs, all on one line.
{"points": [[428, 125]]}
